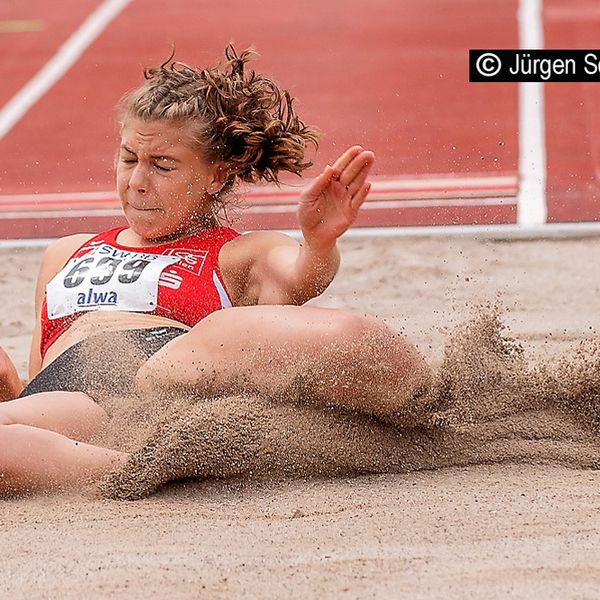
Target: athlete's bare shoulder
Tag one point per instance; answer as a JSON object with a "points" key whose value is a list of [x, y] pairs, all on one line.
{"points": [[60, 250], [71, 241], [56, 256], [58, 253]]}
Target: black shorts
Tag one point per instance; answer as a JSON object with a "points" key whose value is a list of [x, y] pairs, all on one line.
{"points": [[102, 364]]}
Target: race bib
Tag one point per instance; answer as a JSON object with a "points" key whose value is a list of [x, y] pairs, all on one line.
{"points": [[107, 278]]}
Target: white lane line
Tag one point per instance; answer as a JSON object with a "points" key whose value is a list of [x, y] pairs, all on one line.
{"points": [[25, 243], [490, 232], [531, 198], [59, 64]]}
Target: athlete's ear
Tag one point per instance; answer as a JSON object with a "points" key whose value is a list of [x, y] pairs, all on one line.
{"points": [[219, 178]]}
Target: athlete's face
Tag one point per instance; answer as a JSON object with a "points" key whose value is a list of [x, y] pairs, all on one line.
{"points": [[164, 184]]}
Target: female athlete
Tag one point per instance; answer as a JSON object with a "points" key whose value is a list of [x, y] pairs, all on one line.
{"points": [[197, 306]]}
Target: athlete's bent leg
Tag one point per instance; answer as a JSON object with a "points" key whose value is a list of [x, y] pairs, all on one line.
{"points": [[335, 357], [36, 449], [73, 414], [33, 459]]}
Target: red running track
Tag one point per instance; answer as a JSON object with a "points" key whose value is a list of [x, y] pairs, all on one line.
{"points": [[572, 118], [391, 76]]}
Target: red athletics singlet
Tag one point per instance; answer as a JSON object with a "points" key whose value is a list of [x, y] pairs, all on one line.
{"points": [[179, 280]]}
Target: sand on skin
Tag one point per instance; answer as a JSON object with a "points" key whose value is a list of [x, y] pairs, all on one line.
{"points": [[481, 530]]}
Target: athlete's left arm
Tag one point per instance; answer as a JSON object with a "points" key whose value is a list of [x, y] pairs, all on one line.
{"points": [[284, 271]]}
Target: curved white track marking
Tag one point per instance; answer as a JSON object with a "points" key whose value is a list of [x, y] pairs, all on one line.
{"points": [[66, 56], [531, 198]]}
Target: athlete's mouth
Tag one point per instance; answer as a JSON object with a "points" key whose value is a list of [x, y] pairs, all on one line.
{"points": [[144, 209]]}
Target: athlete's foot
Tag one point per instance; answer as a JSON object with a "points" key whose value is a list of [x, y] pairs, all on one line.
{"points": [[10, 382]]}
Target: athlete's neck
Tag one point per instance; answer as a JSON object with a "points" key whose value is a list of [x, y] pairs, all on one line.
{"points": [[183, 232]]}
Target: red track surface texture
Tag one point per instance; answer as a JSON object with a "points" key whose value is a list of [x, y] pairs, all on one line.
{"points": [[392, 76], [572, 119]]}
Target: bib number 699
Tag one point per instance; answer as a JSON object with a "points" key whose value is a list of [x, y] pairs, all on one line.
{"points": [[105, 269]]}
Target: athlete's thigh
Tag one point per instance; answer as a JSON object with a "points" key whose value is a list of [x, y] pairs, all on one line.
{"points": [[261, 346], [251, 330], [73, 414]]}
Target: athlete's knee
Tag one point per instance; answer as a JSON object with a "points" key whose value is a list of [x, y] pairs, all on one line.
{"points": [[410, 365], [390, 354], [349, 327]]}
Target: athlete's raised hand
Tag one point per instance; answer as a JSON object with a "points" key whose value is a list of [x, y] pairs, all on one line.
{"points": [[329, 204]]}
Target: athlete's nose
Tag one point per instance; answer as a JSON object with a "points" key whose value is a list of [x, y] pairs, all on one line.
{"points": [[138, 181]]}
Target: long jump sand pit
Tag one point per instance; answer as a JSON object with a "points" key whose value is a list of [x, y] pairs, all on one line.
{"points": [[497, 497]]}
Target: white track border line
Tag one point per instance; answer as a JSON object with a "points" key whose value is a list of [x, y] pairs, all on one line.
{"points": [[546, 231], [66, 56], [531, 198]]}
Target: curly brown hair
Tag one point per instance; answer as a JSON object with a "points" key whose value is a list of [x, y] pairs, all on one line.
{"points": [[240, 118]]}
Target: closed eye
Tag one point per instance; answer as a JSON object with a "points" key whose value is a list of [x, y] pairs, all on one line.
{"points": [[130, 161], [163, 168]]}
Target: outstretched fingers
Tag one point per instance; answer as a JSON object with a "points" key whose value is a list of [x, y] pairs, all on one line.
{"points": [[345, 159], [355, 174], [349, 172]]}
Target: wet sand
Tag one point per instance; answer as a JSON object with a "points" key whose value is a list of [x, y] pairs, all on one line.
{"points": [[526, 530]]}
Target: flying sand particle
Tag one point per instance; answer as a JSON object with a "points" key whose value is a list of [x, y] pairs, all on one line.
{"points": [[486, 405]]}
